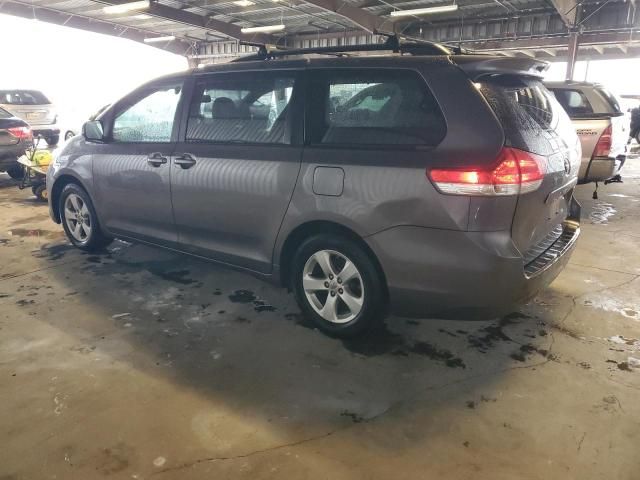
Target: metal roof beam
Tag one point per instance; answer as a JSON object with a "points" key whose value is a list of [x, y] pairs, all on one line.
{"points": [[81, 22], [367, 21], [209, 23], [568, 10], [199, 21]]}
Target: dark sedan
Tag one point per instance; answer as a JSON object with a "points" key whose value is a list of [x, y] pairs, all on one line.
{"points": [[15, 138]]}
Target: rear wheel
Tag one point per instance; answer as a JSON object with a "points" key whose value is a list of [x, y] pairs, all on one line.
{"points": [[53, 140], [16, 171], [79, 219], [337, 285], [69, 135], [637, 136], [40, 191]]}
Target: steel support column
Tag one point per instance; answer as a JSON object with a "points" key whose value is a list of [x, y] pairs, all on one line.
{"points": [[572, 55]]}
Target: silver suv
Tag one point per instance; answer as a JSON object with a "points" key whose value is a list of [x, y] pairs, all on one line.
{"points": [[34, 108], [602, 126], [433, 183]]}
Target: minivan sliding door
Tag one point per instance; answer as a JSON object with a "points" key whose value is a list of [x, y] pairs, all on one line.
{"points": [[236, 165]]}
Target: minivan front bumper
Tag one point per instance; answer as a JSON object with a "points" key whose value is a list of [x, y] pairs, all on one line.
{"points": [[464, 275]]}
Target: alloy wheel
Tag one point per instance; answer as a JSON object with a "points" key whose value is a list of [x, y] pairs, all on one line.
{"points": [[77, 217], [333, 286]]}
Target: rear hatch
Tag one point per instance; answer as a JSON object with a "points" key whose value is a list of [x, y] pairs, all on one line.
{"points": [[593, 108], [30, 105], [534, 122]]}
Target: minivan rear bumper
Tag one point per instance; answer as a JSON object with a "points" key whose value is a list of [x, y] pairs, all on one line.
{"points": [[464, 275]]}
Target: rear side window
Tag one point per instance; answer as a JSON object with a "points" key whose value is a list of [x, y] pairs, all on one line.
{"points": [[5, 114], [374, 107], [23, 97], [573, 101], [241, 108], [531, 117]]}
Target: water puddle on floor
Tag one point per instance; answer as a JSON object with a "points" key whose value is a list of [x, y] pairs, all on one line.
{"points": [[601, 213], [608, 304]]}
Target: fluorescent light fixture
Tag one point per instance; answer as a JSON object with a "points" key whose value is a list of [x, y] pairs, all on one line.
{"points": [[166, 38], [126, 7], [424, 11], [265, 29], [244, 3]]}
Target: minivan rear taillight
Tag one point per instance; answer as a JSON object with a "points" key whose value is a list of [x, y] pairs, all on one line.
{"points": [[22, 133], [603, 147], [514, 172]]}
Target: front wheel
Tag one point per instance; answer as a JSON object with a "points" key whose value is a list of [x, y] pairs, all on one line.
{"points": [[69, 135], [337, 285], [53, 140], [79, 219]]}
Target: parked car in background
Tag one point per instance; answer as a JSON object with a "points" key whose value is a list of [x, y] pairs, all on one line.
{"points": [[601, 124], [438, 184], [15, 138], [72, 128], [34, 108]]}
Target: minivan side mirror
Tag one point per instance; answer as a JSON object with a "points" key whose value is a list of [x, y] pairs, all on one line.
{"points": [[93, 131]]}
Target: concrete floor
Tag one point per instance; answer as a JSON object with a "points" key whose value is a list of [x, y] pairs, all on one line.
{"points": [[141, 363]]}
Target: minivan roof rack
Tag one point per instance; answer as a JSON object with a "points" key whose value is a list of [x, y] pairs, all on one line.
{"points": [[394, 43]]}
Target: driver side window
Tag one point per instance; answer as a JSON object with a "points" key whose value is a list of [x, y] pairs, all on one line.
{"points": [[149, 120]]}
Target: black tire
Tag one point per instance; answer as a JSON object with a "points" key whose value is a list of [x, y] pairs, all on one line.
{"points": [[373, 295], [95, 240], [637, 136], [69, 135], [16, 171], [53, 140], [40, 191]]}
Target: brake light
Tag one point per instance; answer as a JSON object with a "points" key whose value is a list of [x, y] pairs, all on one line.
{"points": [[603, 147], [515, 171], [22, 133]]}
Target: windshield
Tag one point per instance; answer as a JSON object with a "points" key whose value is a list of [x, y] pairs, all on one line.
{"points": [[23, 97]]}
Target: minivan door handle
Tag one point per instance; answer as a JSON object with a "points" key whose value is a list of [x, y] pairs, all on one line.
{"points": [[156, 159], [186, 160]]}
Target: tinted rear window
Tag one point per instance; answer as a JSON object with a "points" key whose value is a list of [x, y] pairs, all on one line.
{"points": [[5, 114], [23, 97], [532, 119]]}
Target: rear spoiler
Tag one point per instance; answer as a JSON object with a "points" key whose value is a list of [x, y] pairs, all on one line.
{"points": [[478, 66]]}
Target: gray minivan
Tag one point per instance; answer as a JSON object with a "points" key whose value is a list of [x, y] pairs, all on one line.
{"points": [[432, 182]]}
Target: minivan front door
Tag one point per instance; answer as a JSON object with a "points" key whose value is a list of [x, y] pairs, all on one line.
{"points": [[132, 169], [236, 165]]}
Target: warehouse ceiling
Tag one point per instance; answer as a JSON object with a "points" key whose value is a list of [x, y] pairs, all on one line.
{"points": [[212, 28]]}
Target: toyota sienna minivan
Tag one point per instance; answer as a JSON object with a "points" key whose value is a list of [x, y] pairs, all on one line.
{"points": [[421, 181]]}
